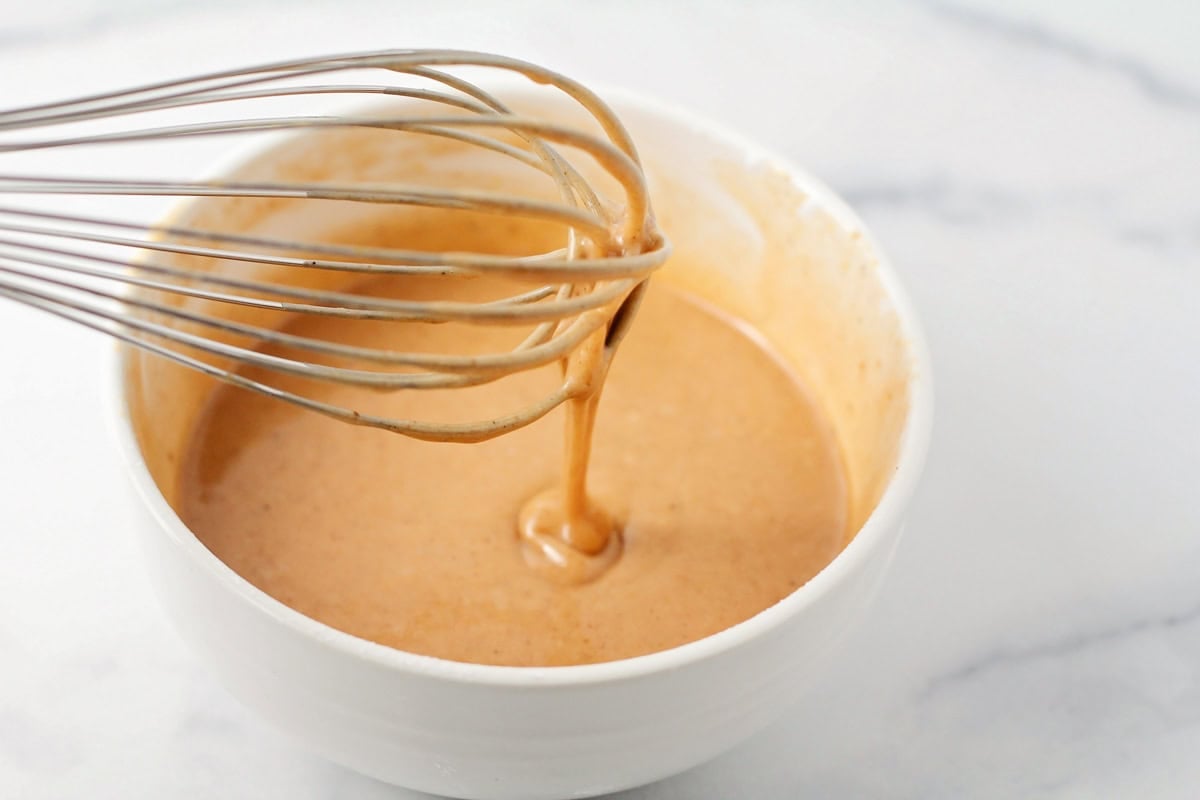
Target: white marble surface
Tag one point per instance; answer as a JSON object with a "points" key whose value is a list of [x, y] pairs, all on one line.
{"points": [[1034, 174]]}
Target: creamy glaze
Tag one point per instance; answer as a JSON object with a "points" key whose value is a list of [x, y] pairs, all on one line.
{"points": [[716, 465]]}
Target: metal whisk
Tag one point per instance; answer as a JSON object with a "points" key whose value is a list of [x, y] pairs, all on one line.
{"points": [[100, 271]]}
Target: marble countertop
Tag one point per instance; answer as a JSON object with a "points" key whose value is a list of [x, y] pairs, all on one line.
{"points": [[1034, 175]]}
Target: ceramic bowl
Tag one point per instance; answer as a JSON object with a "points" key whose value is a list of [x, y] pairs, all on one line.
{"points": [[835, 310]]}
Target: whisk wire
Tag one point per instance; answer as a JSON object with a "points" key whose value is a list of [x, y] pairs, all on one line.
{"points": [[141, 283]]}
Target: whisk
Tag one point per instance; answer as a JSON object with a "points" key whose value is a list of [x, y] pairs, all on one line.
{"points": [[99, 270]]}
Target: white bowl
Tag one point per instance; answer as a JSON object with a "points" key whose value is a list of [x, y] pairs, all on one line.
{"points": [[476, 731]]}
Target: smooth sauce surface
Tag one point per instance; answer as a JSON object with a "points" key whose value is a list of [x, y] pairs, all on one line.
{"points": [[722, 473]]}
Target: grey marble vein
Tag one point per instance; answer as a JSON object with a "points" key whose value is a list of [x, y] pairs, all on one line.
{"points": [[951, 201], [1154, 85], [964, 203], [67, 26], [1068, 645]]}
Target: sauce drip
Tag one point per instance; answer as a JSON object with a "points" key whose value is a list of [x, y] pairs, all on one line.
{"points": [[565, 534]]}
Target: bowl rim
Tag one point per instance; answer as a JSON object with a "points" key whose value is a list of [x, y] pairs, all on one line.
{"points": [[887, 514]]}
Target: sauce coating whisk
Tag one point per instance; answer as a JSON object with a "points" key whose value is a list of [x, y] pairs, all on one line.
{"points": [[100, 271]]}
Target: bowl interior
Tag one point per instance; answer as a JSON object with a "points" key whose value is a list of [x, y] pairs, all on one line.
{"points": [[758, 240]]}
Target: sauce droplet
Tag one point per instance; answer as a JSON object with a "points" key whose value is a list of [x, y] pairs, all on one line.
{"points": [[567, 548]]}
